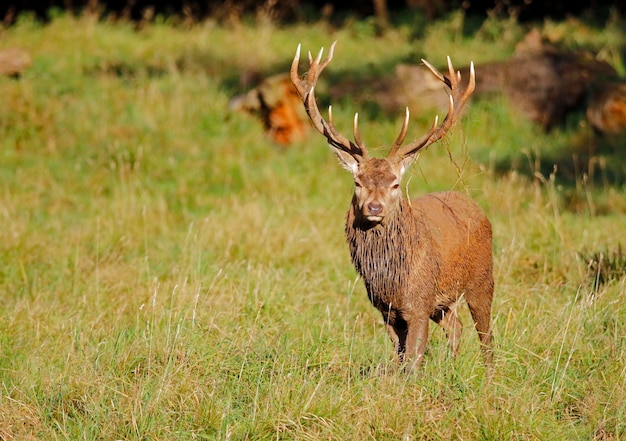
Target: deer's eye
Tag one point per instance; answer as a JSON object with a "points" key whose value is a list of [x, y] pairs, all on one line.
{"points": [[395, 186], [357, 184]]}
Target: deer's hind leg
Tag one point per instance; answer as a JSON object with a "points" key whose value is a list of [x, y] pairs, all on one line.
{"points": [[448, 319], [479, 303]]}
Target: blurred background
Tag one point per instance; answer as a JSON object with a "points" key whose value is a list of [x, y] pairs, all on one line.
{"points": [[298, 9]]}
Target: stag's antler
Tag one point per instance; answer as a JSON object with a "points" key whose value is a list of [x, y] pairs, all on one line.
{"points": [[305, 88], [357, 150], [458, 98]]}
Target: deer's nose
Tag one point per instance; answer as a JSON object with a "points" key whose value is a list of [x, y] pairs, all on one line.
{"points": [[375, 208]]}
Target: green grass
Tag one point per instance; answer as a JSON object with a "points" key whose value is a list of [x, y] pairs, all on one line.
{"points": [[168, 273]]}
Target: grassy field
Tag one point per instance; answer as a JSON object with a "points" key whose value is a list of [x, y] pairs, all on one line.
{"points": [[167, 273]]}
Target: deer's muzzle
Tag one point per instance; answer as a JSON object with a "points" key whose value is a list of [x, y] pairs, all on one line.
{"points": [[374, 211]]}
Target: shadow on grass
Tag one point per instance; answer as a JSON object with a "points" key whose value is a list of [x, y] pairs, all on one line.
{"points": [[599, 161], [583, 171]]}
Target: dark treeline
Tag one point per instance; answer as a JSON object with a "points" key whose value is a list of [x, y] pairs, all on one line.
{"points": [[289, 10]]}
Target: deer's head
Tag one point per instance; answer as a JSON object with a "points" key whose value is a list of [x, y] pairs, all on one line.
{"points": [[377, 180]]}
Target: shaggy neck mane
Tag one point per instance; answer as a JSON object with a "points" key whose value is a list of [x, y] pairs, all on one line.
{"points": [[382, 252]]}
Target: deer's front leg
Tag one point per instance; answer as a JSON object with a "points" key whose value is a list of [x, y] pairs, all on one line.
{"points": [[417, 335], [396, 327], [393, 335]]}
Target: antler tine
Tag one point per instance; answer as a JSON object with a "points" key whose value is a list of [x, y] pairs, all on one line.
{"points": [[331, 52], [454, 78], [438, 74], [403, 130], [357, 135], [332, 130], [472, 82], [458, 98], [306, 90]]}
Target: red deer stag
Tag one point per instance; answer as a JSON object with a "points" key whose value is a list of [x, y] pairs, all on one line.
{"points": [[417, 258]]}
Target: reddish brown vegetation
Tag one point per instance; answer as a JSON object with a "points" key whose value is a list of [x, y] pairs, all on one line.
{"points": [[276, 102], [14, 61]]}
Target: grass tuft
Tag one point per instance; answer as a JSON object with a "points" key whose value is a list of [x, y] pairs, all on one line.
{"points": [[605, 266]]}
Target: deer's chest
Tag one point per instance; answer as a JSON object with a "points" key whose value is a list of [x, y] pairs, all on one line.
{"points": [[383, 260]]}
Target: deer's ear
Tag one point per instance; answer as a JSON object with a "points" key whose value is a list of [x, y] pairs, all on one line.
{"points": [[407, 162], [346, 160]]}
